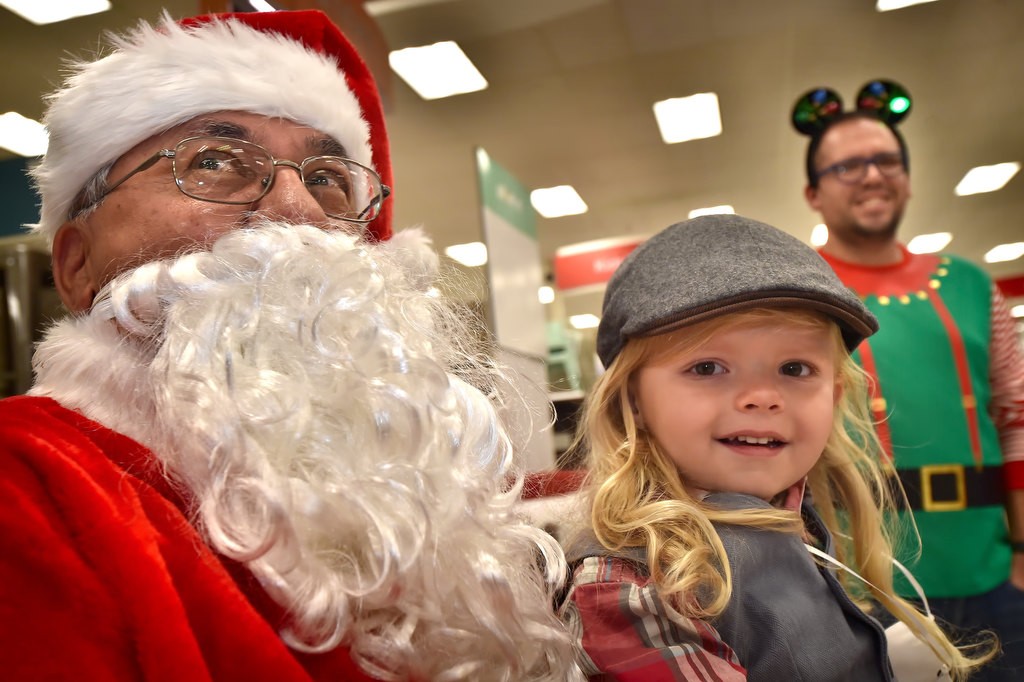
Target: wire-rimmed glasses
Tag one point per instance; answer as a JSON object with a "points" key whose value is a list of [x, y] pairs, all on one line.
{"points": [[226, 170]]}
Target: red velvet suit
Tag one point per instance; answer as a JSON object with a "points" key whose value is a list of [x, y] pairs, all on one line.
{"points": [[102, 576]]}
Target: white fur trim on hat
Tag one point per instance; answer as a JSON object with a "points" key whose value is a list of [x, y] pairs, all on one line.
{"points": [[162, 76]]}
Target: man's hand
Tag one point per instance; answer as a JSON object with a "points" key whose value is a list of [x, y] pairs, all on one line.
{"points": [[1015, 517]]}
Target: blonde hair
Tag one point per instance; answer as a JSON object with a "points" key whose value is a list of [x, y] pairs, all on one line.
{"points": [[638, 498]]}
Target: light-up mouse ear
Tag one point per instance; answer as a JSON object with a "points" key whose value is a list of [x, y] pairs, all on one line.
{"points": [[813, 111], [888, 100]]}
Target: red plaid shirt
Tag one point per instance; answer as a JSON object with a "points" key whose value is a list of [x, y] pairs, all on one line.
{"points": [[627, 632]]}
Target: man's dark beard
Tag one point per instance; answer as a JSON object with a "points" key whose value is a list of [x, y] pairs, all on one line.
{"points": [[858, 234]]}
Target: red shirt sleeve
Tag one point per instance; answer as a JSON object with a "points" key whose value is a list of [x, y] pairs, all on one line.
{"points": [[1006, 375]]}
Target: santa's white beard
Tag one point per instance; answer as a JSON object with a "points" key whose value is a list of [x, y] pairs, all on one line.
{"points": [[300, 386]]}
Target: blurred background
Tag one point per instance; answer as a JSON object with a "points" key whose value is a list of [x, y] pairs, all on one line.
{"points": [[570, 89]]}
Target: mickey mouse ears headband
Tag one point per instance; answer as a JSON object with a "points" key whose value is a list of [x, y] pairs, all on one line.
{"points": [[817, 108]]}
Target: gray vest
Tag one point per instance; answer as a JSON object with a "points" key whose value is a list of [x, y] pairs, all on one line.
{"points": [[789, 620]]}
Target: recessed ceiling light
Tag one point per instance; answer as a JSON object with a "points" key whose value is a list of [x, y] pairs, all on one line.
{"points": [[819, 235], [471, 255], [929, 243], [555, 202], [1017, 311], [23, 136], [688, 118], [545, 295], [585, 321], [1005, 252], [986, 178], [887, 5], [262, 6], [51, 11], [712, 210], [438, 70]]}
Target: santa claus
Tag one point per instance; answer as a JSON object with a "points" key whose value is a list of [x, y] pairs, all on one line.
{"points": [[261, 446]]}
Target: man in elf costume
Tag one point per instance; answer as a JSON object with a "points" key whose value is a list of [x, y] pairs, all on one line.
{"points": [[947, 370], [256, 450]]}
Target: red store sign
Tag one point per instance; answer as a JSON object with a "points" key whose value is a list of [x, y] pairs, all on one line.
{"points": [[590, 263]]}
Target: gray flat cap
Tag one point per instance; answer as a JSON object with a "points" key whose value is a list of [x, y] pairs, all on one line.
{"points": [[718, 264]]}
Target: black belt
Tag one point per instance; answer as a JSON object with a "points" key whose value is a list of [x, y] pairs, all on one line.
{"points": [[950, 487]]}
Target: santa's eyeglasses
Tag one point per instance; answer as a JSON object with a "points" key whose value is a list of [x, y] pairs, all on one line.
{"points": [[225, 170]]}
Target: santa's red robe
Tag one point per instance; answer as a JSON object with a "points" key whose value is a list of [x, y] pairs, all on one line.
{"points": [[102, 577]]}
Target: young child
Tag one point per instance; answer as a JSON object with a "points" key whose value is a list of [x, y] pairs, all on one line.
{"points": [[731, 403]]}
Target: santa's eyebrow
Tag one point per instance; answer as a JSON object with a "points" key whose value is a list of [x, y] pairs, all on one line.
{"points": [[320, 145], [214, 128], [327, 146]]}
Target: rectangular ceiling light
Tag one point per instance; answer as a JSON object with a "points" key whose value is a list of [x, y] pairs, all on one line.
{"points": [[262, 6], [555, 202], [712, 210], [688, 118], [51, 11], [21, 135], [1005, 252], [585, 321], [929, 243], [986, 178], [438, 70], [819, 235], [887, 5], [471, 255]]}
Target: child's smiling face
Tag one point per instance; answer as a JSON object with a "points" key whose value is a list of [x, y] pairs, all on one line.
{"points": [[749, 411]]}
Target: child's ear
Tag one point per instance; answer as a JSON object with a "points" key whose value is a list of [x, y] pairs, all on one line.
{"points": [[635, 409], [837, 392]]}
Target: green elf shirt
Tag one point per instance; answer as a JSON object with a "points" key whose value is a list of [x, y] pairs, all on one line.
{"points": [[930, 365]]}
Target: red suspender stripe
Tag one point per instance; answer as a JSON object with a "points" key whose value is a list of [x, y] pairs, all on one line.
{"points": [[878, 405], [956, 342]]}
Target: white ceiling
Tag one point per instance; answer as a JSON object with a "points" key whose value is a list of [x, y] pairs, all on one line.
{"points": [[571, 88]]}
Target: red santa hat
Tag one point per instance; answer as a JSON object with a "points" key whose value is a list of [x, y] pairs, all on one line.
{"points": [[295, 65]]}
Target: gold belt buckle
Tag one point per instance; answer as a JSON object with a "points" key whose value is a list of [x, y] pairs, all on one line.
{"points": [[928, 503]]}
